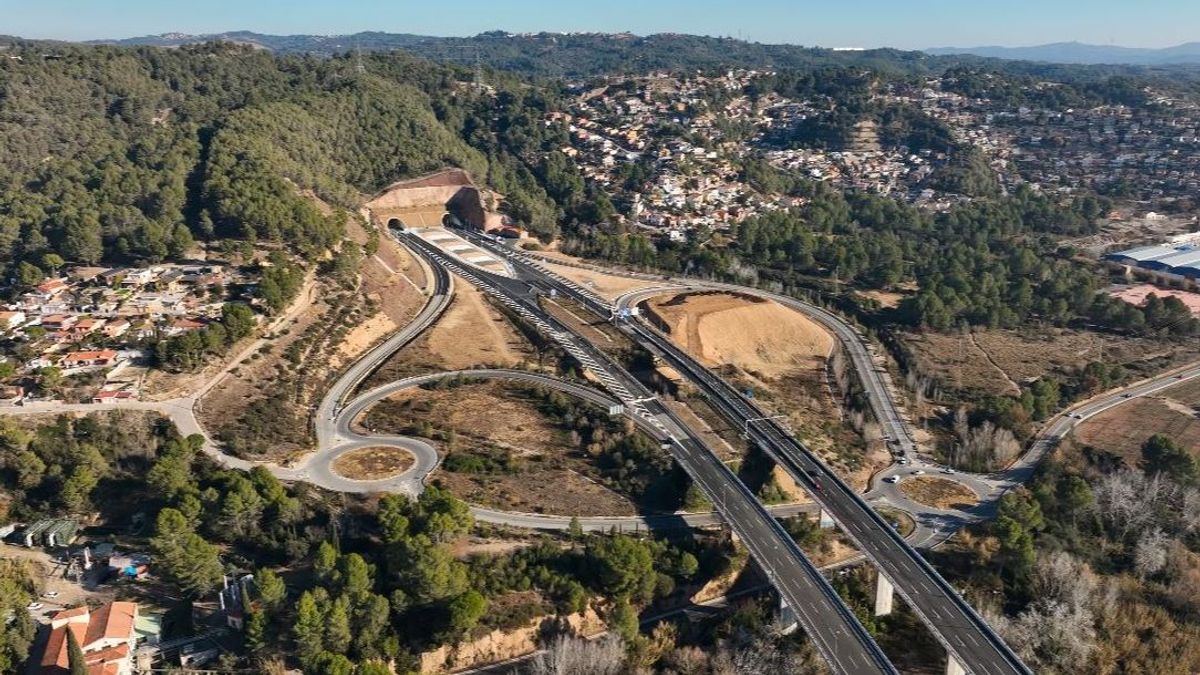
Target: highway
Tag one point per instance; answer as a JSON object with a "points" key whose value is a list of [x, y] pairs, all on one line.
{"points": [[838, 636], [871, 374], [964, 634]]}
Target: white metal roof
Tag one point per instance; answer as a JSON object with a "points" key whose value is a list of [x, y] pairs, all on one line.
{"points": [[1146, 253]]}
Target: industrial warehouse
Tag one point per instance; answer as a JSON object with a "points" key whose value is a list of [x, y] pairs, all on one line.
{"points": [[1180, 256]]}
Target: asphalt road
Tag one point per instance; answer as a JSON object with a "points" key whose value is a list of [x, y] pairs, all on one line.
{"points": [[412, 481], [834, 630], [953, 622]]}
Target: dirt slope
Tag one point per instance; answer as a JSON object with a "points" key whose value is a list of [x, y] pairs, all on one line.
{"points": [[758, 336]]}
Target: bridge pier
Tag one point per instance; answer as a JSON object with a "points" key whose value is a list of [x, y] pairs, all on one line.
{"points": [[824, 520], [953, 667], [884, 594], [787, 617]]}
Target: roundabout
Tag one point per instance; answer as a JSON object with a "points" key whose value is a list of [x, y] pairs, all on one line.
{"points": [[372, 463]]}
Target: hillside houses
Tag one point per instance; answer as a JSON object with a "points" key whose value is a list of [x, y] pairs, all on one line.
{"points": [[693, 134], [95, 318]]}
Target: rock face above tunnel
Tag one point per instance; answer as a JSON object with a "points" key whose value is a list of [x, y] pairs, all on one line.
{"points": [[425, 201]]}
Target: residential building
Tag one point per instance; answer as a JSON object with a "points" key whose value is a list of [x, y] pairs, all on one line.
{"points": [[100, 358], [106, 636]]}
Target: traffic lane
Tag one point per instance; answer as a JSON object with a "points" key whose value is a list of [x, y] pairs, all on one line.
{"points": [[818, 612], [922, 593], [859, 522], [1151, 387], [320, 472], [831, 640]]}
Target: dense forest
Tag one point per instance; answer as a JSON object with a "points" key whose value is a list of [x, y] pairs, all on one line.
{"points": [[120, 155]]}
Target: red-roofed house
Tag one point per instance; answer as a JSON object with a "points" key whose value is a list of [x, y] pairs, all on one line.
{"points": [[52, 287], [114, 396], [58, 321], [105, 635], [104, 357]]}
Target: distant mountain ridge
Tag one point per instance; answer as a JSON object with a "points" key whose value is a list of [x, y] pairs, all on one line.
{"points": [[315, 44], [1084, 54], [580, 55]]}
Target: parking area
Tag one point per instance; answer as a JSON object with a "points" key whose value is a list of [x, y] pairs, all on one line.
{"points": [[56, 590]]}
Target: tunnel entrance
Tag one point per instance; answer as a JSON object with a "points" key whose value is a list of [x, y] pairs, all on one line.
{"points": [[395, 224]]}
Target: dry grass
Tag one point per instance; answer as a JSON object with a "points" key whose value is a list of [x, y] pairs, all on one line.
{"points": [[985, 361], [554, 476], [1123, 430], [373, 463], [885, 299], [473, 333], [233, 395], [939, 493]]}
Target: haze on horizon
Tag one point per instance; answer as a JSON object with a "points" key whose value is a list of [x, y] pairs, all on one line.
{"points": [[868, 23]]}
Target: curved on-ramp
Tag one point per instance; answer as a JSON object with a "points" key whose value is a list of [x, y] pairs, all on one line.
{"points": [[412, 481]]}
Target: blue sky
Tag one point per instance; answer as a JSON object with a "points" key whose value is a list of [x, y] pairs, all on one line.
{"points": [[852, 23]]}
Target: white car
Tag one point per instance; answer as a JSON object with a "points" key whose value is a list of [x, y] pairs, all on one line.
{"points": [[34, 606], [948, 470], [902, 460], [50, 594], [919, 472], [892, 479]]}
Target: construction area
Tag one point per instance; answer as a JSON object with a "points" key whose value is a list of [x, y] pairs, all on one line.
{"points": [[758, 336], [428, 200], [778, 356], [427, 205]]}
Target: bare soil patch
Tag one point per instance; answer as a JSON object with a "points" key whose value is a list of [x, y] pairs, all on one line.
{"points": [[756, 335], [939, 493], [778, 355], [375, 463], [539, 469]]}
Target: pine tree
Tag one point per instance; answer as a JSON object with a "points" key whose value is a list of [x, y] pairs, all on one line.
{"points": [[255, 633], [309, 628], [271, 590], [75, 658], [337, 627]]}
